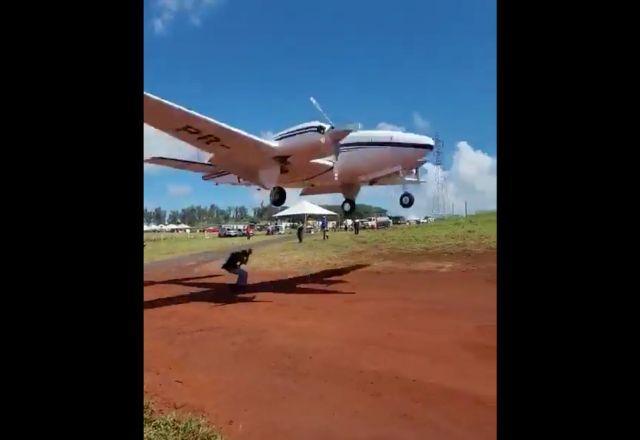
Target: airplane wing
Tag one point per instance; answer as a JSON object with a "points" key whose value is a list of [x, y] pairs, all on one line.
{"points": [[210, 172], [241, 153], [181, 164], [245, 155]]}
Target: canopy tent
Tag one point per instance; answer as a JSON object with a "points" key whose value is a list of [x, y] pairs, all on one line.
{"points": [[304, 208], [178, 227]]}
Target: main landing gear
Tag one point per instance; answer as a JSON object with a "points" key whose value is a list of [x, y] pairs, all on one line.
{"points": [[406, 200], [348, 206], [278, 196]]}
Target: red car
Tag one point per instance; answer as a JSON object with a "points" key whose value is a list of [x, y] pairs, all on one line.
{"points": [[212, 229]]}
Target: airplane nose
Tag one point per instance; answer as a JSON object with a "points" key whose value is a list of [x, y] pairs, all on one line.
{"points": [[426, 140]]}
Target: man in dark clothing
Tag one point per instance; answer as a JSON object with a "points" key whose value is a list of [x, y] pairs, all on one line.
{"points": [[300, 231], [323, 226], [356, 227], [235, 260]]}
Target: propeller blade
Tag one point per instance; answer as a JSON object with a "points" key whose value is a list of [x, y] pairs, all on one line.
{"points": [[334, 136], [317, 106]]}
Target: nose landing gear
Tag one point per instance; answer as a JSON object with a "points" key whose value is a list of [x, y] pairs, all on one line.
{"points": [[406, 200]]}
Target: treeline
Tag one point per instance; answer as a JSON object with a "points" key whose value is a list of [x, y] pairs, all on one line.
{"points": [[214, 215]]}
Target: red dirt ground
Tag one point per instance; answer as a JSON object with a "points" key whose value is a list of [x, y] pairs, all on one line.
{"points": [[377, 352]]}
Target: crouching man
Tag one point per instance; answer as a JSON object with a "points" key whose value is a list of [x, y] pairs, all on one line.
{"points": [[233, 263]]}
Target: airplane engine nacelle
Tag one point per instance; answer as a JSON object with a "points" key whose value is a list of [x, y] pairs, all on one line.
{"points": [[316, 147]]}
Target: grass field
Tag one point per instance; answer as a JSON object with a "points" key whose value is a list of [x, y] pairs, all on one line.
{"points": [[476, 233], [173, 427], [165, 245]]}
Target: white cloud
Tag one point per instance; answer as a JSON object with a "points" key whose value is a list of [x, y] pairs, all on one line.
{"points": [[178, 190], [167, 10], [388, 126], [472, 178], [157, 143], [474, 170], [421, 124]]}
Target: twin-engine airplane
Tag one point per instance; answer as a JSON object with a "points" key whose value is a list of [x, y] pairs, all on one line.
{"points": [[314, 156]]}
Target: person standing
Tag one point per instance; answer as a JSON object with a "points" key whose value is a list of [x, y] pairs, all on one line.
{"points": [[356, 227], [323, 225], [300, 232]]}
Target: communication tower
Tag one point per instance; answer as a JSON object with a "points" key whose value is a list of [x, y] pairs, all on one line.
{"points": [[440, 205]]}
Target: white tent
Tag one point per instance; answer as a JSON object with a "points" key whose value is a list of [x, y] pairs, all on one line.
{"points": [[304, 208]]}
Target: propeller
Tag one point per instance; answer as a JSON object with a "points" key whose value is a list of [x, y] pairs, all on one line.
{"points": [[334, 135]]}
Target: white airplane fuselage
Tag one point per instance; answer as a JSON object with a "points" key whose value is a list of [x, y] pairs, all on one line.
{"points": [[361, 153]]}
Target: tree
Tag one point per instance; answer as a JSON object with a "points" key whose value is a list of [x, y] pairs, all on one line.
{"points": [[148, 216], [174, 217], [159, 215]]}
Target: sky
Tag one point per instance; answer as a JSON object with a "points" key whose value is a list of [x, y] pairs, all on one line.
{"points": [[420, 66]]}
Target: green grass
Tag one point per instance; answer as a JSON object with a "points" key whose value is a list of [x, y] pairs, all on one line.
{"points": [[175, 427], [476, 233], [160, 246]]}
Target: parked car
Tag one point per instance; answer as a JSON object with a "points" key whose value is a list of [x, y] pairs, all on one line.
{"points": [[212, 229], [229, 231]]}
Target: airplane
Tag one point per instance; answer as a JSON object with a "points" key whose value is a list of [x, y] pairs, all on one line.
{"points": [[314, 156]]}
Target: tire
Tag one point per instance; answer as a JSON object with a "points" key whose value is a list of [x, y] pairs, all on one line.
{"points": [[406, 200], [278, 196], [348, 206]]}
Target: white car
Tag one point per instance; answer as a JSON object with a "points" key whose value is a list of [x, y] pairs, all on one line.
{"points": [[227, 231]]}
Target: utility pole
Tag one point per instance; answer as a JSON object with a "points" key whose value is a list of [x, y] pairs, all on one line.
{"points": [[465, 209], [452, 209]]}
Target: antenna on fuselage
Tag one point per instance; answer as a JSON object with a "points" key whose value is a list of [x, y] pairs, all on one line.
{"points": [[317, 106]]}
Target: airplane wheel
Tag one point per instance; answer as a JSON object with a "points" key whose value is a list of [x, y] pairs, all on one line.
{"points": [[406, 200], [278, 196], [348, 206]]}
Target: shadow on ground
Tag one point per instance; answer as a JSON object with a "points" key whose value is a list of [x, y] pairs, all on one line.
{"points": [[222, 293]]}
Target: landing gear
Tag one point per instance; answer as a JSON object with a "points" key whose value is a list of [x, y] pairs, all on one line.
{"points": [[406, 200], [348, 206], [278, 196]]}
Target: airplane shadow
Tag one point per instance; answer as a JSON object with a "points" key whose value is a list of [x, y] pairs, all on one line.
{"points": [[178, 280], [222, 293]]}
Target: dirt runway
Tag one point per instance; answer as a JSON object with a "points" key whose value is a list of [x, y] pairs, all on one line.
{"points": [[363, 352]]}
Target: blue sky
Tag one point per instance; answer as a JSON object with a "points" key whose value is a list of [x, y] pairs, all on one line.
{"points": [[253, 64]]}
